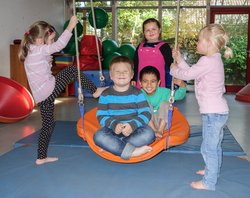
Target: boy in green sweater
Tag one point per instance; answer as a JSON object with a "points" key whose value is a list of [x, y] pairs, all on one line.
{"points": [[158, 97]]}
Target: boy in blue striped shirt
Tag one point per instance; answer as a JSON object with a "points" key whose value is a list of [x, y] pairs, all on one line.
{"points": [[124, 114]]}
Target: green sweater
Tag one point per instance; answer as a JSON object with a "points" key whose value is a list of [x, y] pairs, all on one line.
{"points": [[163, 94]]}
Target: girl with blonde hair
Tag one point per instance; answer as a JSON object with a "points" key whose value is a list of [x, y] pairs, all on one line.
{"points": [[208, 74], [38, 44]]}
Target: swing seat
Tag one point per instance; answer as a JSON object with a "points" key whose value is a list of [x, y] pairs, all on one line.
{"points": [[179, 133]]}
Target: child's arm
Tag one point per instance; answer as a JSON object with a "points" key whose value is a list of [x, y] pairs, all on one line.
{"points": [[104, 117], [135, 77], [72, 23], [62, 40], [185, 72], [180, 93], [179, 82], [143, 112]]}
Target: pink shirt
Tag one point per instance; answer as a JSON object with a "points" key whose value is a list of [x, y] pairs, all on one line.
{"points": [[38, 67], [208, 74], [151, 56]]}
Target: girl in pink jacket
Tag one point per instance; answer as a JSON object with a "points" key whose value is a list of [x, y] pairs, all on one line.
{"points": [[36, 49], [208, 74]]}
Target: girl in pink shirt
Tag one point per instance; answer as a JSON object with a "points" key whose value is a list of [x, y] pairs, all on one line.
{"points": [[153, 51], [36, 49], [208, 74]]}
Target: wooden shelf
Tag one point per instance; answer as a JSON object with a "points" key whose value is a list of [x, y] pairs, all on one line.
{"points": [[17, 71]]}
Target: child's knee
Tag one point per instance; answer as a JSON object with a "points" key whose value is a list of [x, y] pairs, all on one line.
{"points": [[149, 134], [164, 105], [98, 137]]}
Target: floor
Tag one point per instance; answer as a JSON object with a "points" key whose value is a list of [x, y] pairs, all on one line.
{"points": [[67, 109]]}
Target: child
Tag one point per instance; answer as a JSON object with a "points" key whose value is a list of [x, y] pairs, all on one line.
{"points": [[208, 74], [36, 49], [158, 97], [154, 52], [123, 113]]}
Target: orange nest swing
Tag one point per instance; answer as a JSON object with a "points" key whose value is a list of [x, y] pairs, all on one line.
{"points": [[179, 133]]}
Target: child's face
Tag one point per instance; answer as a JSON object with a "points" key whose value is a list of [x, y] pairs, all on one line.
{"points": [[149, 83], [152, 32], [121, 74], [202, 46]]}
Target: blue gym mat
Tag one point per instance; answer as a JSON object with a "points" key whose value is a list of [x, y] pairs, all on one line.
{"points": [[81, 173], [65, 135], [229, 145]]}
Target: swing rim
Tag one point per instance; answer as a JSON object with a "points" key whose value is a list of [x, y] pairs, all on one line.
{"points": [[179, 134]]}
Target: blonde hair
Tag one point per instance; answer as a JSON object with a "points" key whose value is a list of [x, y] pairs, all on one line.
{"points": [[121, 59], [39, 29], [218, 36]]}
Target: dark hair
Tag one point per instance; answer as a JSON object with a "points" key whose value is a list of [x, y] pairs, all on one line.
{"points": [[150, 70], [121, 59], [150, 20]]}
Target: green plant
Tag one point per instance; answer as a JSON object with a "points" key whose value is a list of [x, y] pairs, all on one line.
{"points": [[235, 68]]}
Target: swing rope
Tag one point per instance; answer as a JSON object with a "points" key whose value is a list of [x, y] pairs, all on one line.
{"points": [[101, 76], [80, 94], [171, 98]]}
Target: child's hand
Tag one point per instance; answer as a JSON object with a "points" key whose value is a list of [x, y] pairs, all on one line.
{"points": [[118, 128], [50, 59], [176, 55], [127, 130], [158, 135], [133, 83], [179, 82], [172, 65], [72, 23], [51, 38]]}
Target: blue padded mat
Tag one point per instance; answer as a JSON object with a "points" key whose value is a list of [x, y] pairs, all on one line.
{"points": [[81, 173], [65, 135], [229, 145]]}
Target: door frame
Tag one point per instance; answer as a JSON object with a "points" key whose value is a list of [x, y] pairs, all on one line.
{"points": [[235, 10]]}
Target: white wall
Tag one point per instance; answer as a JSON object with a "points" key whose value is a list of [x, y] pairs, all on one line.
{"points": [[15, 18]]}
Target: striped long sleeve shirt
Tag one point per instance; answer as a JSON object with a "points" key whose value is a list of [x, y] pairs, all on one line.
{"points": [[130, 107]]}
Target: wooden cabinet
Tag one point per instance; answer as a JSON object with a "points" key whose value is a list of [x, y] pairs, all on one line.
{"points": [[17, 71]]}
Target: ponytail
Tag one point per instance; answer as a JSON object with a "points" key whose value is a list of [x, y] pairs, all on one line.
{"points": [[24, 48], [39, 29], [228, 53]]}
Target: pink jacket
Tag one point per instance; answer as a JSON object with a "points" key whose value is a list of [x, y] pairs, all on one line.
{"points": [[208, 74], [38, 67]]}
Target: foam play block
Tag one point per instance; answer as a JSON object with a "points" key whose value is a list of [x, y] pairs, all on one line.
{"points": [[62, 60], [94, 76], [89, 62]]}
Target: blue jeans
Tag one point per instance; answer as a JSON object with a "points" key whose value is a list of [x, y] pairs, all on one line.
{"points": [[121, 145], [212, 133]]}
